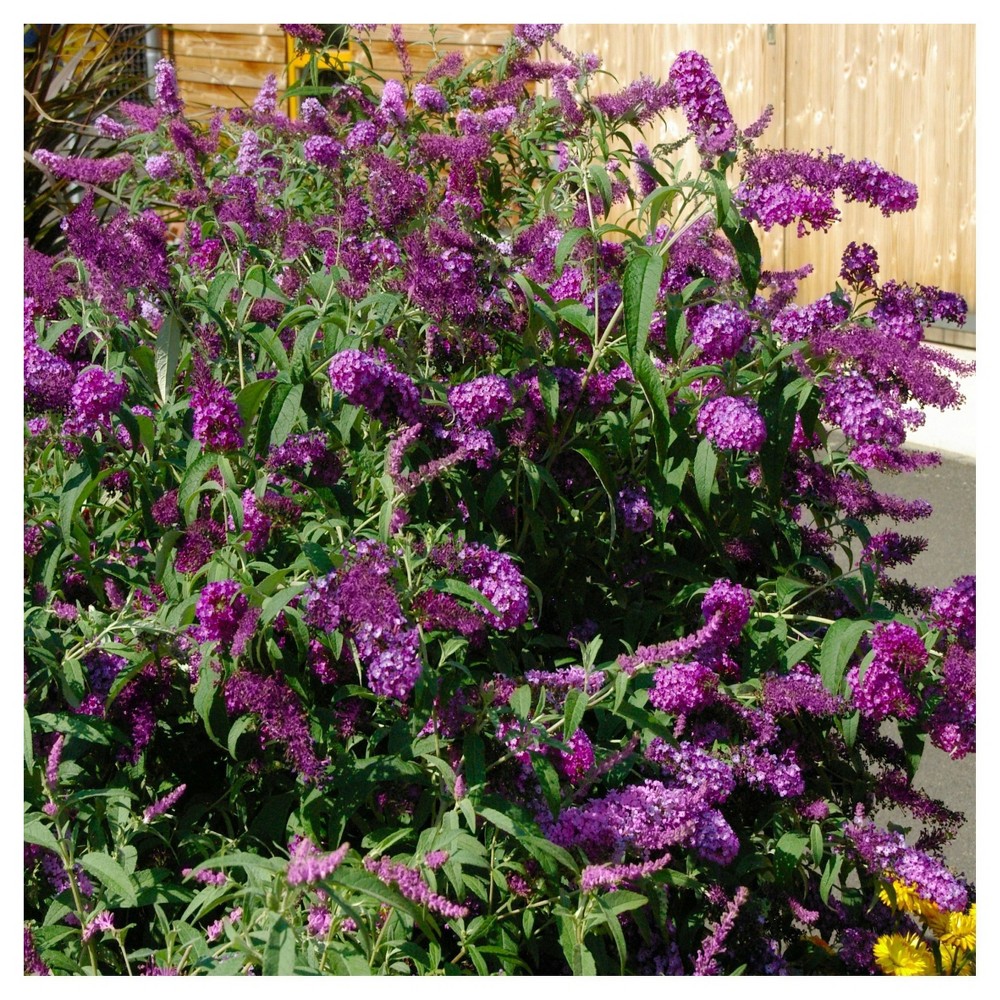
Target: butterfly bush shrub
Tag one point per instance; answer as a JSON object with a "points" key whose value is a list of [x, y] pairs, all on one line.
{"points": [[447, 551]]}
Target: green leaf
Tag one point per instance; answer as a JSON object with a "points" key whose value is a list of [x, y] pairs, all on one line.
{"points": [[640, 288], [474, 757], [250, 398], [610, 919], [204, 699], [260, 285], [914, 740], [238, 728], [705, 463], [796, 652], [829, 876], [740, 234], [111, 874], [723, 195], [167, 354], [29, 752], [461, 589], [520, 702], [187, 492], [602, 181], [548, 779], [816, 843], [284, 421], [37, 832], [566, 245], [548, 388], [849, 729], [839, 644], [219, 290], [599, 463], [273, 605], [279, 952], [79, 484], [652, 386], [270, 343], [787, 854], [574, 709], [623, 900], [579, 959]]}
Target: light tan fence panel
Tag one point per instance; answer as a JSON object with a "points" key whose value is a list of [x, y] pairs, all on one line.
{"points": [[903, 96]]}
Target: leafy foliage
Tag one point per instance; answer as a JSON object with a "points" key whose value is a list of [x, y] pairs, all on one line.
{"points": [[438, 558]]}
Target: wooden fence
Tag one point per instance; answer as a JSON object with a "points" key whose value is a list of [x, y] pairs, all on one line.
{"points": [[902, 95]]}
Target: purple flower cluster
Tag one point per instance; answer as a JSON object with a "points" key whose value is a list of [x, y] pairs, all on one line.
{"points": [[645, 818], [95, 396], [780, 187], [638, 102], [217, 421], [167, 99], [282, 718], [720, 330], [700, 97], [800, 690], [163, 804], [886, 855], [99, 172], [429, 98], [859, 265], [494, 574], [48, 378], [634, 509], [534, 36], [952, 726], [376, 386], [954, 608], [220, 607], [881, 688], [695, 768], [863, 413], [480, 402], [361, 600], [307, 864], [680, 688], [562, 680], [732, 422], [305, 456], [411, 884], [705, 963], [259, 515], [601, 876], [726, 607], [323, 150], [308, 34], [33, 964]]}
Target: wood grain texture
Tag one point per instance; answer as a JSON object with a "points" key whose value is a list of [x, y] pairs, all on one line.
{"points": [[901, 95], [905, 97]]}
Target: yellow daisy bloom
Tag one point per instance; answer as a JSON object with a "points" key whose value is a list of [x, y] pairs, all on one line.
{"points": [[935, 918], [961, 930], [903, 955], [955, 962], [906, 898]]}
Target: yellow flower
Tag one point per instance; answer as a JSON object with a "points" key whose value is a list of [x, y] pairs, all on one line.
{"points": [[906, 898], [954, 961], [960, 931], [903, 955], [935, 918]]}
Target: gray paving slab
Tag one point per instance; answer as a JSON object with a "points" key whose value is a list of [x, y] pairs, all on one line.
{"points": [[951, 552]]}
